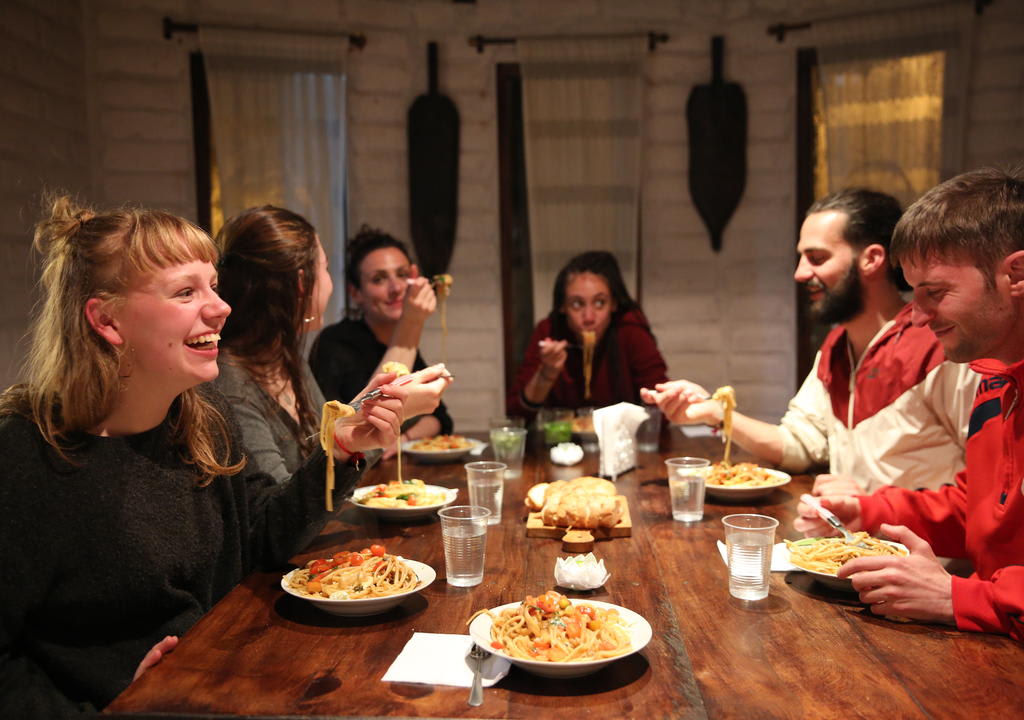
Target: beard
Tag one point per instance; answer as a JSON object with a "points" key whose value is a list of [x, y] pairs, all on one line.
{"points": [[841, 303]]}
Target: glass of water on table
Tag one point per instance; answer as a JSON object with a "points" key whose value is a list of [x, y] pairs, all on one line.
{"points": [[486, 482], [686, 478], [749, 539], [464, 532]]}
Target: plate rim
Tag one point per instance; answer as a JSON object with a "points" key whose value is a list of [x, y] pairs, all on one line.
{"points": [[784, 479], [476, 629], [453, 494], [365, 602], [451, 452]]}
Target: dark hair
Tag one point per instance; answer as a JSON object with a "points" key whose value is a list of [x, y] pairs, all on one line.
{"points": [[600, 263], [977, 216], [871, 217], [265, 252], [605, 265], [362, 244]]}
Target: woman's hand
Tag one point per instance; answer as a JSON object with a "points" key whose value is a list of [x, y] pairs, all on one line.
{"points": [[553, 354], [377, 425], [420, 301], [684, 403], [156, 654], [423, 392]]}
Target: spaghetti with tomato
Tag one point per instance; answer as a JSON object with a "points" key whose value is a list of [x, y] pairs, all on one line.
{"points": [[552, 628]]}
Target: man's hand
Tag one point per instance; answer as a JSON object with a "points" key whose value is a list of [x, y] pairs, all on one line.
{"points": [[915, 586], [846, 508], [684, 403], [826, 484]]}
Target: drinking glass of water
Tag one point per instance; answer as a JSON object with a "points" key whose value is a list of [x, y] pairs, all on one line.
{"points": [[686, 476], [464, 531], [486, 481], [749, 539]]}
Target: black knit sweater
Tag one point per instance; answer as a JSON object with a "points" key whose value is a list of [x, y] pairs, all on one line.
{"points": [[102, 559]]}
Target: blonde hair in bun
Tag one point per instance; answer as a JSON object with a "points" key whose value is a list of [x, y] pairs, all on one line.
{"points": [[71, 373]]}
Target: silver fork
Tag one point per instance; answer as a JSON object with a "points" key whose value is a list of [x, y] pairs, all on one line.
{"points": [[476, 693], [830, 517]]}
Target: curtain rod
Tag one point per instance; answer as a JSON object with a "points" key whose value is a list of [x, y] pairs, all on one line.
{"points": [[779, 30], [357, 40], [481, 41]]}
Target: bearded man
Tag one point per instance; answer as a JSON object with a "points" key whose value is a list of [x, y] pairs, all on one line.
{"points": [[882, 405]]}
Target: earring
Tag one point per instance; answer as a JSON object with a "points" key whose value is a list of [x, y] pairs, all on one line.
{"points": [[310, 319]]}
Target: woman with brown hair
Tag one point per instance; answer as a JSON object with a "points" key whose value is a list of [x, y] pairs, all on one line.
{"points": [[129, 507]]}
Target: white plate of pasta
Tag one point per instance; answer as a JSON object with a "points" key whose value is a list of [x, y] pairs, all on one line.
{"points": [[440, 448], [503, 631], [743, 481], [403, 500], [361, 583], [823, 556]]}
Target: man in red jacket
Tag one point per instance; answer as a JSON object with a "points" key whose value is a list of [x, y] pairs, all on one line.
{"points": [[961, 247]]}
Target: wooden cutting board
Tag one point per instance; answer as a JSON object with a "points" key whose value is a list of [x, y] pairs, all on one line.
{"points": [[535, 527]]}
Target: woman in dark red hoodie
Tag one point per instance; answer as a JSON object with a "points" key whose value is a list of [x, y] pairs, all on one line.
{"points": [[591, 306]]}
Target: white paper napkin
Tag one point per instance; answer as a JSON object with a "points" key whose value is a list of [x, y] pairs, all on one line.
{"points": [[780, 557], [616, 427], [442, 659]]}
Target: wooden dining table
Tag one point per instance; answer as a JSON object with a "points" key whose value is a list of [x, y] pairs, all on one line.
{"points": [[806, 651]]}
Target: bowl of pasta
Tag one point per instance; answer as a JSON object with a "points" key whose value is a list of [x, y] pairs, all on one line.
{"points": [[743, 481], [822, 557], [552, 636], [355, 584], [440, 448], [403, 499]]}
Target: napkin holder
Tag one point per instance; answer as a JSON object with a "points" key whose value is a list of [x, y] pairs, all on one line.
{"points": [[616, 427]]}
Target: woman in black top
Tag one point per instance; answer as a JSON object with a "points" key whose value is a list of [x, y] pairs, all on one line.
{"points": [[128, 507], [392, 303]]}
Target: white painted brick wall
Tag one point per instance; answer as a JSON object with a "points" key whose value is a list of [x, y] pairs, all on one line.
{"points": [[43, 145], [719, 318]]}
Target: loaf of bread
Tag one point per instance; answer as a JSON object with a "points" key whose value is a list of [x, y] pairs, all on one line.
{"points": [[586, 502]]}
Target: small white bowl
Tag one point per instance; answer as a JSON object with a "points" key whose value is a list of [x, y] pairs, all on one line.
{"points": [[366, 606], [747, 492], [639, 635]]}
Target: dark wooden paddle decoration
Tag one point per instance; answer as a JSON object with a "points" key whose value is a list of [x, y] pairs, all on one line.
{"points": [[433, 134], [716, 116]]}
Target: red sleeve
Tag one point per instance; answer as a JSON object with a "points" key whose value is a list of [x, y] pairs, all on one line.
{"points": [[938, 516], [995, 606], [646, 365], [531, 361]]}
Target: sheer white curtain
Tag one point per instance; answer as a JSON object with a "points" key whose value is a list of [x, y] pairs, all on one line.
{"points": [[582, 119], [893, 92], [277, 107]]}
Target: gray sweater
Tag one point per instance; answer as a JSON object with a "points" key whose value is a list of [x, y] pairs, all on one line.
{"points": [[268, 431], [104, 557]]}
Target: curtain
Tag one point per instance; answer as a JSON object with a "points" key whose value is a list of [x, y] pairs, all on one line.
{"points": [[892, 95], [277, 107], [582, 113]]}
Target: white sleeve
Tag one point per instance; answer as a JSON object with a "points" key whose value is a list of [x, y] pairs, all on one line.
{"points": [[804, 427]]}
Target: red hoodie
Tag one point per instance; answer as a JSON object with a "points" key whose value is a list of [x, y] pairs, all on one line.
{"points": [[980, 517]]}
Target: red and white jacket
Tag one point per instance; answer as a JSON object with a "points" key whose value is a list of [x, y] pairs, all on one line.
{"points": [[898, 417], [980, 517]]}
